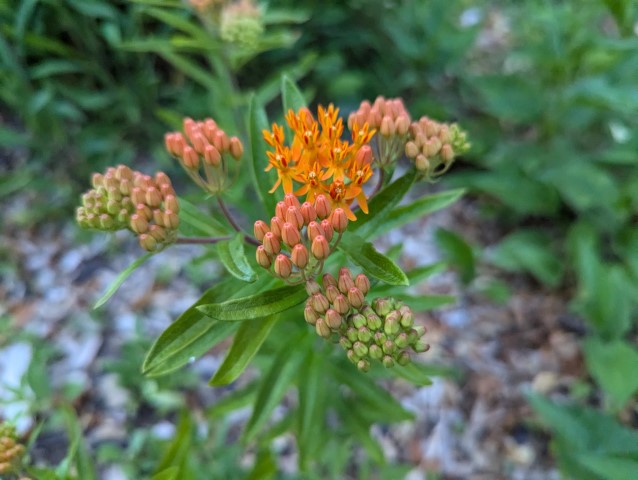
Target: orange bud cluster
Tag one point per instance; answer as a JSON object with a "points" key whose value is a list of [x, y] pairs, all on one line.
{"points": [[299, 237], [391, 119], [122, 198], [205, 148], [433, 146], [383, 330], [11, 451]]}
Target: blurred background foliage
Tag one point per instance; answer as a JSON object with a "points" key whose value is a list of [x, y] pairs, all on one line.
{"points": [[547, 90]]}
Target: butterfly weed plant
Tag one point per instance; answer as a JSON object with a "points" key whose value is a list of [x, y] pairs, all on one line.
{"points": [[306, 293]]}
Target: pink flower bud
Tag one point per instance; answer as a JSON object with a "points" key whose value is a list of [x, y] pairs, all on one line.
{"points": [[333, 319], [323, 330], [221, 141], [411, 150], [331, 293], [260, 229], [327, 228], [263, 258], [314, 229], [320, 247], [280, 210], [308, 213], [328, 279], [299, 256], [138, 223], [190, 158], [170, 203], [345, 281], [322, 206], [158, 233], [363, 156], [432, 147], [339, 220], [271, 244], [447, 153], [355, 297], [291, 201], [212, 156], [153, 197], [341, 304], [310, 315], [276, 226], [402, 124], [199, 143], [387, 126], [158, 217], [147, 242], [444, 134], [421, 163], [283, 266], [290, 235], [320, 303], [171, 219], [162, 179], [236, 148], [210, 127], [362, 283], [293, 216], [312, 287]]}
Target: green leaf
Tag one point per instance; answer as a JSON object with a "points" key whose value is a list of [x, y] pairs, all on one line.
{"points": [[275, 383], [199, 221], [311, 406], [263, 180], [292, 98], [381, 205], [414, 373], [458, 252], [613, 365], [119, 280], [373, 263], [255, 306], [189, 336], [246, 344], [235, 400], [231, 254], [176, 455], [169, 473], [77, 450], [610, 468], [360, 429], [265, 467], [527, 250]]}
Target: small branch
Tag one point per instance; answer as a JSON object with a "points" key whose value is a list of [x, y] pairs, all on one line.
{"points": [[227, 214], [379, 183], [199, 240]]}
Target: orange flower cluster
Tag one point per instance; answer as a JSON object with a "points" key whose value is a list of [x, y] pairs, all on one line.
{"points": [[320, 160]]}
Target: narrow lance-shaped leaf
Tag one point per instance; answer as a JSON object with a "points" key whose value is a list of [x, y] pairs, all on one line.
{"points": [[256, 306], [231, 254], [373, 263], [292, 98], [203, 224], [311, 397], [119, 280], [246, 344], [275, 383], [421, 207], [263, 180]]}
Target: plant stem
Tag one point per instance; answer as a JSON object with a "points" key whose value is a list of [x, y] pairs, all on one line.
{"points": [[199, 240], [379, 183]]}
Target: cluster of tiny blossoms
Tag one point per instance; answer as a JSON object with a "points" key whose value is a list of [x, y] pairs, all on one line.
{"points": [[11, 451], [320, 160], [122, 198], [382, 331], [205, 150], [299, 237]]}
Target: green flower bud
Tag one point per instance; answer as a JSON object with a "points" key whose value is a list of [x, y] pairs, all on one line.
{"points": [[375, 352], [353, 357], [363, 365], [381, 306], [352, 334], [380, 338], [364, 334], [388, 361], [389, 347], [407, 317], [402, 340], [403, 358], [323, 330], [360, 349], [358, 320], [391, 325], [374, 322], [420, 347], [345, 343]]}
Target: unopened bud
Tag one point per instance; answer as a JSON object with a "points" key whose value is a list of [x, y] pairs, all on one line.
{"points": [[341, 304], [328, 279], [358, 320], [263, 258], [407, 317], [360, 349], [345, 282], [355, 297], [106, 221], [374, 321], [364, 334], [389, 347], [323, 330], [403, 358], [314, 229], [387, 126], [381, 306], [320, 247], [421, 163], [352, 334], [171, 220], [320, 303], [333, 319], [310, 315], [312, 287], [293, 216], [391, 325], [276, 226], [290, 235], [190, 158], [283, 266], [411, 150], [280, 210], [158, 233], [138, 223], [170, 203], [402, 340], [353, 357], [221, 141], [331, 293], [420, 347], [362, 283], [339, 220], [147, 242], [447, 153], [308, 213], [299, 256], [363, 365], [271, 243], [236, 148], [327, 228], [260, 229], [402, 124], [291, 200], [97, 180], [212, 156], [388, 361], [375, 352], [345, 343], [322, 206]]}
